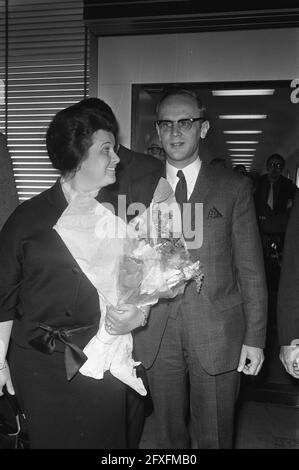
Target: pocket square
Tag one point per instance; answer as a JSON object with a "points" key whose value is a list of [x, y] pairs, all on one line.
{"points": [[214, 213]]}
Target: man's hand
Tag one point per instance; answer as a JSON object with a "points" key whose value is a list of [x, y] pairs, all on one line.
{"points": [[251, 360], [289, 356]]}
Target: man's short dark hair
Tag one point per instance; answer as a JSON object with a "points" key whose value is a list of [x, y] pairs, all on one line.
{"points": [[276, 156], [183, 92], [69, 135]]}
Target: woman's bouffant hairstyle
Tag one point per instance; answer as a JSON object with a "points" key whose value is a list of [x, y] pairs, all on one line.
{"points": [[69, 135]]}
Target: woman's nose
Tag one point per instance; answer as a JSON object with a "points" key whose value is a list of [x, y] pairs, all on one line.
{"points": [[114, 157]]}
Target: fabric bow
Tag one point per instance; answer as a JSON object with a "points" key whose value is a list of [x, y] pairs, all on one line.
{"points": [[74, 357]]}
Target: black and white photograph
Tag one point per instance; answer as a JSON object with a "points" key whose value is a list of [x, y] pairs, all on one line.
{"points": [[149, 228]]}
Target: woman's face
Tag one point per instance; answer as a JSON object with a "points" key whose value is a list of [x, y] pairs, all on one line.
{"points": [[98, 168]]}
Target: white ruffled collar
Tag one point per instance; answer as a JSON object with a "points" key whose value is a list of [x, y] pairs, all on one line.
{"points": [[70, 193]]}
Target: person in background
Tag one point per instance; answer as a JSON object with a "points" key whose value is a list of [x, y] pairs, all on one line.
{"points": [[240, 169], [288, 297], [273, 200], [47, 304], [154, 146], [218, 161], [195, 346]]}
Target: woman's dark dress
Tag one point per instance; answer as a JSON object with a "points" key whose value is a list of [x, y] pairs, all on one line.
{"points": [[40, 282]]}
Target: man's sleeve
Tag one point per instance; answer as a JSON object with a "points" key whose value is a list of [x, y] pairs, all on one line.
{"points": [[249, 264]]}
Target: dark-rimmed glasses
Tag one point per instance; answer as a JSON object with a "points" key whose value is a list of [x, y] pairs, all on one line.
{"points": [[183, 124], [277, 165]]}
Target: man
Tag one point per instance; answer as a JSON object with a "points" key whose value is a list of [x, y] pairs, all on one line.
{"points": [[288, 298], [154, 146], [273, 199], [274, 196], [211, 336]]}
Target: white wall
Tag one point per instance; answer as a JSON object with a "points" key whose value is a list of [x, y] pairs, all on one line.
{"points": [[271, 54]]}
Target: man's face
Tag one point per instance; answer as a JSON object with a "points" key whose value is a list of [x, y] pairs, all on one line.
{"points": [[274, 167], [181, 145]]}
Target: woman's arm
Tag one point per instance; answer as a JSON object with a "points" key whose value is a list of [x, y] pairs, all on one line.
{"points": [[5, 379]]}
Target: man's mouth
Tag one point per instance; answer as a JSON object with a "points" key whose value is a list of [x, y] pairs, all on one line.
{"points": [[176, 144]]}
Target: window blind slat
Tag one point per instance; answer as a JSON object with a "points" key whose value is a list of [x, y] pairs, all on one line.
{"points": [[46, 73]]}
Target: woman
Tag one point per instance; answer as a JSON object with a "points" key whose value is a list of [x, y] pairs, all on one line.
{"points": [[49, 310]]}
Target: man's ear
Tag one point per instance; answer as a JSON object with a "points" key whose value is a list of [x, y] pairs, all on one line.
{"points": [[204, 129]]}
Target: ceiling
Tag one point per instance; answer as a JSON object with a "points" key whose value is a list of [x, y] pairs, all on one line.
{"points": [[106, 18], [279, 129]]}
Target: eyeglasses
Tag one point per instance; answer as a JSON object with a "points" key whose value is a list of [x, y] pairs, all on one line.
{"points": [[155, 150], [166, 125], [275, 165]]}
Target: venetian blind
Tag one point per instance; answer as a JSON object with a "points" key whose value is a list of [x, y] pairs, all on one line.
{"points": [[46, 70]]}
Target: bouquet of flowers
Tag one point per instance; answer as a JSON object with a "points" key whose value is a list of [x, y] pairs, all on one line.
{"points": [[146, 261]]}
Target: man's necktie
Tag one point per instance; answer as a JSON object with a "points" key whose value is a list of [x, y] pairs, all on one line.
{"points": [[181, 188], [270, 197]]}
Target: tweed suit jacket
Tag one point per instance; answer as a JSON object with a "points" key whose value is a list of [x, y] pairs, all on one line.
{"points": [[231, 307]]}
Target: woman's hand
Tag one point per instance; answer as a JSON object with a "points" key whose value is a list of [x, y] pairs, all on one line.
{"points": [[5, 379], [124, 318]]}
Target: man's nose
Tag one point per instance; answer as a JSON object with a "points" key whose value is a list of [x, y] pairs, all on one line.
{"points": [[175, 129]]}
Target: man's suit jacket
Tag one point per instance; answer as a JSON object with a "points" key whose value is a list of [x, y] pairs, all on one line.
{"points": [[288, 294], [231, 308], [133, 166]]}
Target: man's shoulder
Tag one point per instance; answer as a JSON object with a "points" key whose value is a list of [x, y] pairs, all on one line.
{"points": [[130, 157], [226, 176], [288, 183]]}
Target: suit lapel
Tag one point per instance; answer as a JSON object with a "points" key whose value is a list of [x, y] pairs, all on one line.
{"points": [[203, 185]]}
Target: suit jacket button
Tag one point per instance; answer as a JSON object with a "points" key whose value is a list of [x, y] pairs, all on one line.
{"points": [[76, 270], [68, 313]]}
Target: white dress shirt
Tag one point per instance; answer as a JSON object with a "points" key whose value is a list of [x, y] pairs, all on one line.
{"points": [[190, 171]]}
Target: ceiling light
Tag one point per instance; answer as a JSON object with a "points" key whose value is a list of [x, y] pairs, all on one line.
{"points": [[248, 92], [242, 150], [242, 132], [242, 116], [242, 141], [241, 155]]}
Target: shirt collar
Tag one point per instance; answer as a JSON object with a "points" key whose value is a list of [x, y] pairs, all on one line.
{"points": [[190, 171]]}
